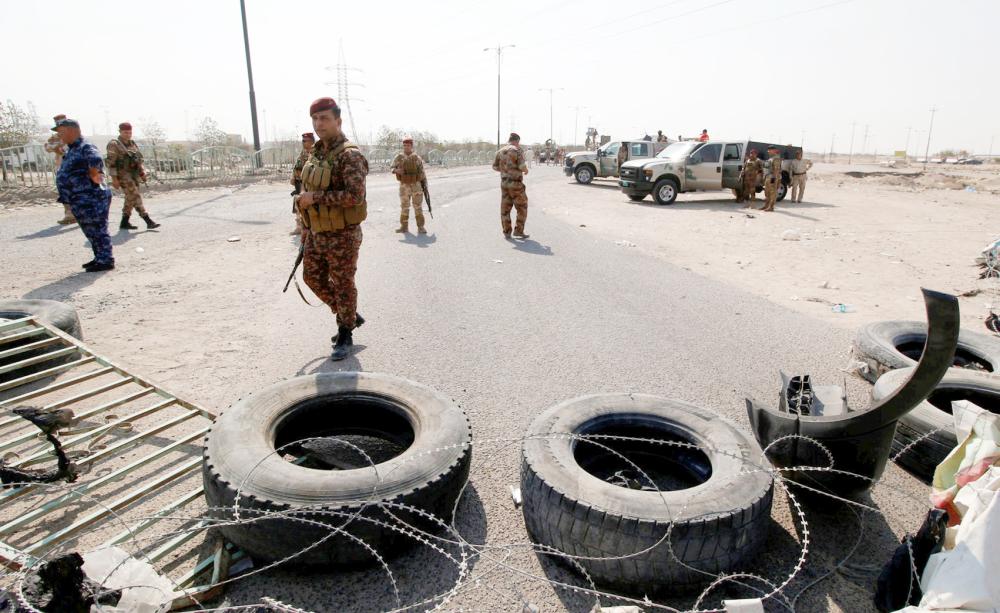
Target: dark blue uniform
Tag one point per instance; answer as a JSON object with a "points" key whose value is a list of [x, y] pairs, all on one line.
{"points": [[90, 203]]}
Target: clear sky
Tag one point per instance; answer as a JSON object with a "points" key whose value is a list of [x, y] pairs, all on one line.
{"points": [[770, 69]]}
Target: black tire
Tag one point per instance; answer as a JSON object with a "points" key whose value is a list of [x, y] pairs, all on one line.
{"points": [[637, 197], [665, 191], [888, 345], [782, 192], [717, 524], [56, 314], [429, 474], [934, 415], [584, 174]]}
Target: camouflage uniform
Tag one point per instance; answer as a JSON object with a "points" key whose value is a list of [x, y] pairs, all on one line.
{"points": [[90, 203], [331, 256], [752, 170], [509, 162], [125, 164], [771, 181], [409, 170], [57, 148]]}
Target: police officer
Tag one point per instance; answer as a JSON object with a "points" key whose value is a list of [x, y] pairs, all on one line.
{"points": [[798, 169], [125, 165], [409, 171], [509, 162], [80, 181], [752, 170], [332, 206], [772, 177], [57, 148]]}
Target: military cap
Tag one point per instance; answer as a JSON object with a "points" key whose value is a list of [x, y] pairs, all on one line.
{"points": [[57, 119], [308, 136], [408, 139], [514, 136], [67, 123], [124, 126], [775, 147], [323, 104]]}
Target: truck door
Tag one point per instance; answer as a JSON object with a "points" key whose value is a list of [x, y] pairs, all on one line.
{"points": [[732, 164], [609, 161], [704, 168], [640, 150]]}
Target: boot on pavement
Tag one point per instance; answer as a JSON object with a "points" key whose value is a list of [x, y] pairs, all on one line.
{"points": [[521, 234], [344, 342], [150, 224], [358, 322], [125, 225], [421, 230], [402, 229]]}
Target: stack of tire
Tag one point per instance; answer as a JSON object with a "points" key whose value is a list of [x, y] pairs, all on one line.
{"points": [[890, 350]]}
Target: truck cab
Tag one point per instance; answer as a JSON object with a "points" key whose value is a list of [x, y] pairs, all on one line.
{"points": [[585, 166]]}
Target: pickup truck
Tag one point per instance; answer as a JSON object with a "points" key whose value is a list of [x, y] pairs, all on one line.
{"points": [[691, 166], [587, 165]]}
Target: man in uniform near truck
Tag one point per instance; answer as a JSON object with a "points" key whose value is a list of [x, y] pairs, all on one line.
{"points": [[622, 156], [749, 178], [509, 162], [409, 171], [125, 165], [704, 136], [57, 148], [661, 137], [798, 169], [772, 178], [332, 206]]}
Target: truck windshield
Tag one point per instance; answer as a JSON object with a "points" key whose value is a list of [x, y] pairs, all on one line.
{"points": [[677, 150]]}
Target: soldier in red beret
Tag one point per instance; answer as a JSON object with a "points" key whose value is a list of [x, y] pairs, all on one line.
{"points": [[125, 165], [409, 171], [331, 208]]}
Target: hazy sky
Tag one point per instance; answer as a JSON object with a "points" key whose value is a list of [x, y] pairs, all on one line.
{"points": [[768, 69]]}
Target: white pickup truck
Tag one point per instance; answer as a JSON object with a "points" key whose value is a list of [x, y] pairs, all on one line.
{"points": [[588, 165]]}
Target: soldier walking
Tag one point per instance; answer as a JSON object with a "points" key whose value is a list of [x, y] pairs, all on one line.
{"points": [[772, 178], [125, 165], [80, 181], [509, 162], [798, 169], [752, 170], [332, 207], [409, 171], [57, 148]]}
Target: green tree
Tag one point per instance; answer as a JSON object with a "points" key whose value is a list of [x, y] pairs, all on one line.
{"points": [[209, 134], [19, 126]]}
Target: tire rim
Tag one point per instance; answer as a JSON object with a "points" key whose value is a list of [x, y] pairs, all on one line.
{"points": [[585, 176], [964, 358], [666, 192]]}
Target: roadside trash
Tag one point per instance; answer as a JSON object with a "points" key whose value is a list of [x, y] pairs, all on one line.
{"points": [[828, 285], [143, 589], [745, 605], [233, 239], [978, 431], [515, 494], [139, 249], [791, 235], [48, 422], [61, 584], [970, 188], [625, 243], [897, 586], [583, 225], [498, 261], [620, 609], [843, 308], [971, 293]]}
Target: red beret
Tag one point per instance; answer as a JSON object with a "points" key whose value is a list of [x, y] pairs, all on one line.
{"points": [[58, 117], [408, 139], [514, 136], [308, 136], [323, 104], [124, 126]]}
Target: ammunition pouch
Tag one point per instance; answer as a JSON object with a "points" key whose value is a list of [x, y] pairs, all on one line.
{"points": [[317, 176]]}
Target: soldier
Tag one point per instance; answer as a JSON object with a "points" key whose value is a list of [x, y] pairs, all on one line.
{"points": [[749, 178], [56, 147], [798, 169], [622, 156], [80, 181], [509, 162], [409, 171], [125, 165], [308, 140], [772, 178], [332, 207], [704, 136], [661, 137]]}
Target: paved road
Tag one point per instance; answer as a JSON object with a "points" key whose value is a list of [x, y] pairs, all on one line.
{"points": [[505, 328]]}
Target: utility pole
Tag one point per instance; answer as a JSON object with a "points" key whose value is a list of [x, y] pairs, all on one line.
{"points": [[499, 49], [832, 140], [850, 155], [576, 123], [927, 151], [989, 157], [550, 90], [253, 97], [802, 141], [864, 147], [908, 130]]}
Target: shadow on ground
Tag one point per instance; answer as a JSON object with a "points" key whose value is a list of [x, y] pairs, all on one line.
{"points": [[420, 240], [63, 289]]}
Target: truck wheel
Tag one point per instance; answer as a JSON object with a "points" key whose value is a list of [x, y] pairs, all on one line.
{"points": [[665, 191], [584, 174], [636, 197], [782, 192], [583, 500], [419, 441]]}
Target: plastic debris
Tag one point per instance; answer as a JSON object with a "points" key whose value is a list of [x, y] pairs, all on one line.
{"points": [[233, 239], [515, 494], [498, 261], [828, 285], [791, 235], [144, 590], [139, 249], [843, 308], [625, 243], [620, 609], [970, 188], [745, 605]]}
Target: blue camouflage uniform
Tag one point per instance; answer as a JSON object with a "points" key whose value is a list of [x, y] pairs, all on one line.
{"points": [[90, 203]]}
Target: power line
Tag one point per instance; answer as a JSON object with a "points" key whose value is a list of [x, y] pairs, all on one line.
{"points": [[927, 151]]}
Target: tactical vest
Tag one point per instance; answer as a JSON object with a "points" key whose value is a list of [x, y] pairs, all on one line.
{"points": [[317, 176], [411, 170], [129, 161]]}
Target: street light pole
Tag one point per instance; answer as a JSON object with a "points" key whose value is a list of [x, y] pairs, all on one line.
{"points": [[550, 90], [499, 49], [850, 154], [927, 151], [833, 138], [253, 97], [907, 148]]}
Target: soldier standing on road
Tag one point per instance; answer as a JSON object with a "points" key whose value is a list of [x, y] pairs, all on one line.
{"points": [[409, 171], [80, 181], [798, 169], [749, 178], [125, 166], [332, 207], [308, 140], [772, 178], [57, 148], [509, 162]]}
